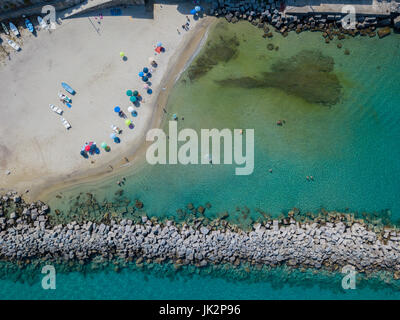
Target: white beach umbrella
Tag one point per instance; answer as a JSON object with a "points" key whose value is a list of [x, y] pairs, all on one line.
{"points": [[130, 109]]}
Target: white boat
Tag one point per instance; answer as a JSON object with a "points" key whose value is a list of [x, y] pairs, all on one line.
{"points": [[65, 123], [13, 45], [42, 23], [14, 29], [56, 109]]}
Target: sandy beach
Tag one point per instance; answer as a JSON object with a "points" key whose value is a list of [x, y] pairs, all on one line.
{"points": [[35, 148]]}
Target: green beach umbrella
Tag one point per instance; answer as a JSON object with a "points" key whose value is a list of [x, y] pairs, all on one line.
{"points": [[121, 54], [133, 99], [128, 122], [104, 145], [135, 93], [129, 93]]}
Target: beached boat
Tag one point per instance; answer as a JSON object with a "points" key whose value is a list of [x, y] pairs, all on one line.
{"points": [[66, 123], [13, 45], [29, 25], [42, 23], [64, 98], [56, 109], [14, 29], [5, 29], [68, 88]]}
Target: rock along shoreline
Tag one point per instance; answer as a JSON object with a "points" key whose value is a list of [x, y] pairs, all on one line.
{"points": [[27, 234], [331, 24]]}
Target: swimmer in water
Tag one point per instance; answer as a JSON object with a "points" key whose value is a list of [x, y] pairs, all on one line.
{"points": [[308, 178]]}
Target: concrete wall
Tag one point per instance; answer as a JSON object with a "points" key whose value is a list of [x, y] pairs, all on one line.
{"points": [[14, 8]]}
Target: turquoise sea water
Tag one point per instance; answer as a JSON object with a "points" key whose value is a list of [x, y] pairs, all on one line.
{"points": [[349, 144]]}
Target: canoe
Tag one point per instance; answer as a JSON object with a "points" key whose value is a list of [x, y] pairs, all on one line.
{"points": [[42, 23], [13, 45], [29, 25], [14, 29], [68, 88], [5, 29]]}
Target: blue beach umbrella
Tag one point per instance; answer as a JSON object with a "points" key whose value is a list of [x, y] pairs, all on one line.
{"points": [[145, 70], [145, 79], [159, 44], [149, 91], [117, 109], [192, 11], [141, 74], [197, 8], [133, 99]]}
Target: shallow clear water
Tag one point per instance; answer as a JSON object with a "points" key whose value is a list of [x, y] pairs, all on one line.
{"points": [[350, 147]]}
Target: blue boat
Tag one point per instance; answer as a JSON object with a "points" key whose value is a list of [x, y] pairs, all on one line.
{"points": [[68, 88], [29, 25]]}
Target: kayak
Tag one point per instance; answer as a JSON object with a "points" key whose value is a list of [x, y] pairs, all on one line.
{"points": [[68, 88], [13, 45], [14, 29], [5, 29], [29, 25], [42, 23]]}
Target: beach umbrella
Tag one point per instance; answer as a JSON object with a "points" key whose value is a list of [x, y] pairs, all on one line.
{"points": [[128, 122], [121, 54], [87, 148], [104, 145], [129, 93], [197, 8], [159, 44], [134, 113], [145, 79], [141, 74], [113, 135], [130, 109], [148, 75], [133, 99], [174, 116], [145, 70], [149, 91], [135, 93], [192, 11], [117, 109], [158, 49], [146, 86]]}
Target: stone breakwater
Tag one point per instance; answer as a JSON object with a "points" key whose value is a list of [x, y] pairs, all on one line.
{"points": [[27, 233], [273, 13]]}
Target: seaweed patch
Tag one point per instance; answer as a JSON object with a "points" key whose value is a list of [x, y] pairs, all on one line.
{"points": [[222, 50], [308, 75]]}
